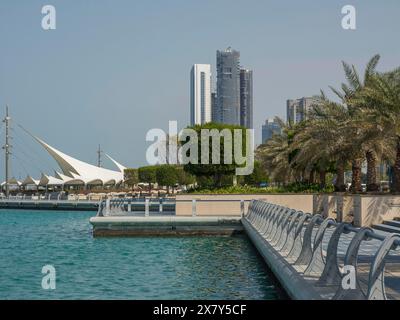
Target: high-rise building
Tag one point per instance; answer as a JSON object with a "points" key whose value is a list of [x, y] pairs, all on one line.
{"points": [[200, 94], [296, 110], [214, 109], [228, 87], [246, 98], [270, 128]]}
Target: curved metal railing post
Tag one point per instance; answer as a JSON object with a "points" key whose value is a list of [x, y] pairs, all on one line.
{"points": [[265, 216], [376, 281], [317, 263], [278, 226], [276, 214], [271, 211], [283, 231], [331, 275], [279, 211], [291, 232], [306, 249], [350, 259]]}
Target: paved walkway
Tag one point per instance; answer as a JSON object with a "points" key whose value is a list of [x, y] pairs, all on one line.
{"points": [[366, 254]]}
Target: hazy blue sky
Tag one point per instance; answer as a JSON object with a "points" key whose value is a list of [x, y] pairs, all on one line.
{"points": [[112, 70]]}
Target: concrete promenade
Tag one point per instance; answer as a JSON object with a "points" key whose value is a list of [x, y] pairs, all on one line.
{"points": [[307, 254]]}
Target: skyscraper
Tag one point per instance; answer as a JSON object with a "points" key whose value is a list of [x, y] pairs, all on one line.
{"points": [[200, 94], [246, 98], [228, 86], [296, 110], [214, 109], [270, 128]]}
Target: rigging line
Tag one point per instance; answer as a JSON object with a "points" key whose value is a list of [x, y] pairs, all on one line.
{"points": [[34, 152], [33, 164], [31, 135], [20, 162], [32, 156], [19, 148]]}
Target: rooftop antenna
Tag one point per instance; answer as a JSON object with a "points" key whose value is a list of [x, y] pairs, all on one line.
{"points": [[99, 152], [7, 148]]}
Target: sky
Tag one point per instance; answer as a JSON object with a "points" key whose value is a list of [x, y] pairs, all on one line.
{"points": [[114, 69]]}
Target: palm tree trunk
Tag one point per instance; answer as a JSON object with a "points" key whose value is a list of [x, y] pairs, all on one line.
{"points": [[356, 175], [371, 171], [322, 179], [218, 179], [396, 169], [312, 176], [339, 184]]}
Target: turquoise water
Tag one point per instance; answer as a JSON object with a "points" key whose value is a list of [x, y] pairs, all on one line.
{"points": [[123, 268]]}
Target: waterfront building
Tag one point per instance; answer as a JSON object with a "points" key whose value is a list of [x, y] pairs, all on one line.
{"points": [[228, 86], [270, 128], [296, 110], [200, 94], [246, 98]]}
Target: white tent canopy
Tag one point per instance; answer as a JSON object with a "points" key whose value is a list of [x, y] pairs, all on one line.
{"points": [[74, 172], [12, 181], [79, 172], [46, 180], [30, 181]]}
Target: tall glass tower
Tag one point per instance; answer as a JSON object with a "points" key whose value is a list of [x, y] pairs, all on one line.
{"points": [[246, 98], [228, 86]]}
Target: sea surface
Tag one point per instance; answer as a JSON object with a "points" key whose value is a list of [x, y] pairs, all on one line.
{"points": [[123, 268]]}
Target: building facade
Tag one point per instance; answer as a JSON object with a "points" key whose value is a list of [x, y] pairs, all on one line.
{"points": [[214, 109], [228, 87], [200, 94], [246, 98], [296, 110], [270, 128]]}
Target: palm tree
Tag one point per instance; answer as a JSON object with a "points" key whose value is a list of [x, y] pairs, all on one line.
{"points": [[333, 135], [372, 144], [275, 154], [323, 140], [364, 125], [381, 101]]}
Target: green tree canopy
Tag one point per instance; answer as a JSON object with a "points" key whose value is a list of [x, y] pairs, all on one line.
{"points": [[258, 176], [184, 178], [217, 171], [166, 175], [147, 174], [131, 176]]}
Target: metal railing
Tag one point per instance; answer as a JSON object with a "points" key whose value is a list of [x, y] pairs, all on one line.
{"points": [[155, 206], [298, 237], [130, 206]]}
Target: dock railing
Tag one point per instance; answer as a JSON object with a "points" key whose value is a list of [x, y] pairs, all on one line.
{"points": [[298, 238], [158, 206]]}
